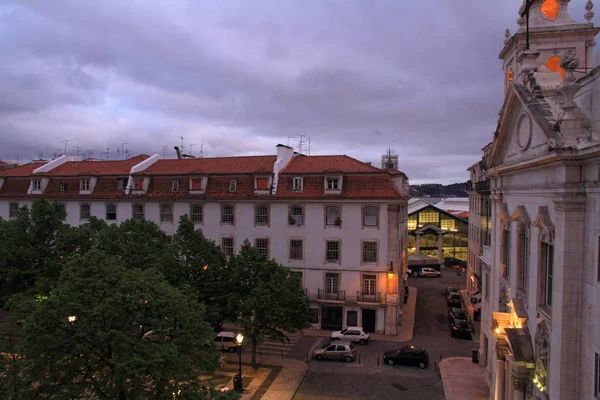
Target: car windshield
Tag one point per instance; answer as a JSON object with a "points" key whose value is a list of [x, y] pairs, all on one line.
{"points": [[343, 331]]}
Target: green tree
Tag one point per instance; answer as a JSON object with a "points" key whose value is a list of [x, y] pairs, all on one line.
{"points": [[131, 335], [266, 296], [29, 258], [81, 239]]}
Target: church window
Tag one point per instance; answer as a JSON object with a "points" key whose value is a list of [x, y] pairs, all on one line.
{"points": [[553, 64], [510, 74], [550, 9]]}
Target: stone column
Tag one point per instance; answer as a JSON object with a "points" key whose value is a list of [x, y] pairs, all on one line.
{"points": [[499, 387], [519, 385], [440, 252], [418, 244]]}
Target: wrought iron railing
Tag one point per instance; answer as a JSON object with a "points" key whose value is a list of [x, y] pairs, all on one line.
{"points": [[368, 298], [325, 295]]}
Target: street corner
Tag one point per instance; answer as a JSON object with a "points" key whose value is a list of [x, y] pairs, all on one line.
{"points": [[462, 379]]}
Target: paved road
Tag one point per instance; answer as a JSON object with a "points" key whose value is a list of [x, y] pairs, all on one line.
{"points": [[368, 380]]}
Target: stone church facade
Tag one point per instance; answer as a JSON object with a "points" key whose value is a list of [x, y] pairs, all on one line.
{"points": [[540, 267]]}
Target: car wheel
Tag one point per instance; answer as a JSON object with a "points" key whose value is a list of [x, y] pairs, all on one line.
{"points": [[390, 362], [319, 357], [362, 341], [348, 359], [232, 349], [422, 365]]}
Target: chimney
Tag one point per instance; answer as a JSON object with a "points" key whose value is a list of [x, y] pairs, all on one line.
{"points": [[178, 152], [284, 156]]}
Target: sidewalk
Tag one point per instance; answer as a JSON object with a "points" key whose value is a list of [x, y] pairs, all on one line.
{"points": [[463, 380]]}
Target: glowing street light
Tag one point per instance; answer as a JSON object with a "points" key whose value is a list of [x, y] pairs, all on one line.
{"points": [[72, 318], [238, 380]]}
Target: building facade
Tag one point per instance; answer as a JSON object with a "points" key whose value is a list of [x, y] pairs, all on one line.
{"points": [[538, 183], [337, 221]]}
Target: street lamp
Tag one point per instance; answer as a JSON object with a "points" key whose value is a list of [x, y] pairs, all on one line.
{"points": [[238, 380], [391, 271]]}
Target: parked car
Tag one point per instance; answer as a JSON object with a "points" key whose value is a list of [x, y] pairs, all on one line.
{"points": [[338, 350], [460, 328], [429, 272], [449, 290], [407, 355], [226, 341], [354, 334], [457, 313], [454, 300], [215, 323]]}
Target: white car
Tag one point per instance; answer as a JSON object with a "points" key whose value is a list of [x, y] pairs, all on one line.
{"points": [[429, 272], [354, 334]]}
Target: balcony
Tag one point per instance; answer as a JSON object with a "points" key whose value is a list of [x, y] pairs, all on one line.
{"points": [[483, 185], [487, 253], [368, 298], [340, 295]]}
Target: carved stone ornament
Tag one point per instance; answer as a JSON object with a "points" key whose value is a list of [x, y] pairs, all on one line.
{"points": [[504, 215], [542, 352], [520, 215], [546, 227], [506, 36], [503, 298], [523, 132], [501, 353], [520, 384], [589, 14]]}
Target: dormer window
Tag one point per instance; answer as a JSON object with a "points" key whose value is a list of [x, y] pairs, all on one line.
{"points": [[63, 187], [196, 184], [232, 185], [37, 184], [298, 184], [333, 184], [138, 184], [262, 183], [120, 184], [175, 186], [85, 184]]}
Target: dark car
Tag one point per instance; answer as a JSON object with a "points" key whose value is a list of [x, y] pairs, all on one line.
{"points": [[449, 290], [457, 313], [215, 323], [407, 355], [461, 329], [454, 300]]}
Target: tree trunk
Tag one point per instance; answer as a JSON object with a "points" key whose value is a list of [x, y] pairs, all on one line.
{"points": [[253, 354]]}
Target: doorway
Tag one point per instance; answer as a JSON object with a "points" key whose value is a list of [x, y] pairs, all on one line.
{"points": [[369, 319], [331, 317]]}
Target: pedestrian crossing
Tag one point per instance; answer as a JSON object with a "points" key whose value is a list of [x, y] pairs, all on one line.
{"points": [[274, 348]]}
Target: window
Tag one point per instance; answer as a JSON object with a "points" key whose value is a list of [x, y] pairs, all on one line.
{"points": [[352, 318], [138, 184], [506, 252], [197, 184], [331, 215], [547, 259], [298, 184], [429, 217], [169, 239], [296, 252], [13, 210], [63, 187], [166, 213], [261, 215], [262, 246], [523, 259], [332, 251], [332, 184], [227, 245], [332, 282], [111, 212], [85, 184], [196, 212], [232, 185], [227, 214], [313, 316], [84, 211], [369, 252], [120, 184], [175, 186], [369, 285], [297, 215], [37, 184], [138, 211], [262, 183], [370, 216], [487, 286], [597, 375]]}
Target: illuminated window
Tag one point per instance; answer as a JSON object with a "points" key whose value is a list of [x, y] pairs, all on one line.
{"points": [[448, 223], [550, 9], [412, 222], [553, 64], [429, 217], [510, 75]]}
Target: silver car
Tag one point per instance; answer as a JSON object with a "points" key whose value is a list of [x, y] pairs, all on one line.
{"points": [[338, 350], [429, 272]]}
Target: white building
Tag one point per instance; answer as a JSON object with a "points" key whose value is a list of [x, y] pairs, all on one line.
{"points": [[339, 222], [535, 202]]}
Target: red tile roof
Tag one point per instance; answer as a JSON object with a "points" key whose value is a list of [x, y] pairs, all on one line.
{"points": [[216, 165], [353, 186], [88, 167], [22, 170], [302, 164], [15, 187]]}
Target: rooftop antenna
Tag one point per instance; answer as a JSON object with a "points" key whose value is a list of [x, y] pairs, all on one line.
{"points": [[182, 145], [118, 156], [127, 152], [65, 142], [106, 152], [78, 149], [525, 12], [40, 155], [191, 145], [165, 151], [201, 147], [122, 144]]}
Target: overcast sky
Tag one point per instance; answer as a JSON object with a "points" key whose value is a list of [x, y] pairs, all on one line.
{"points": [[356, 77]]}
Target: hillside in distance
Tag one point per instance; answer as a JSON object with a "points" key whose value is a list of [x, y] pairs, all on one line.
{"points": [[437, 190]]}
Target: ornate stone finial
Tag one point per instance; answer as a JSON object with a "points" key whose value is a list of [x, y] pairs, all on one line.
{"points": [[569, 62], [589, 14], [506, 36]]}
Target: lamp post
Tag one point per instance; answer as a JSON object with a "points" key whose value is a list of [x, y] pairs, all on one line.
{"points": [[238, 380]]}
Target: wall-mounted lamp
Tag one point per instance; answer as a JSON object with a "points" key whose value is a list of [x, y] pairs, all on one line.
{"points": [[391, 270]]}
